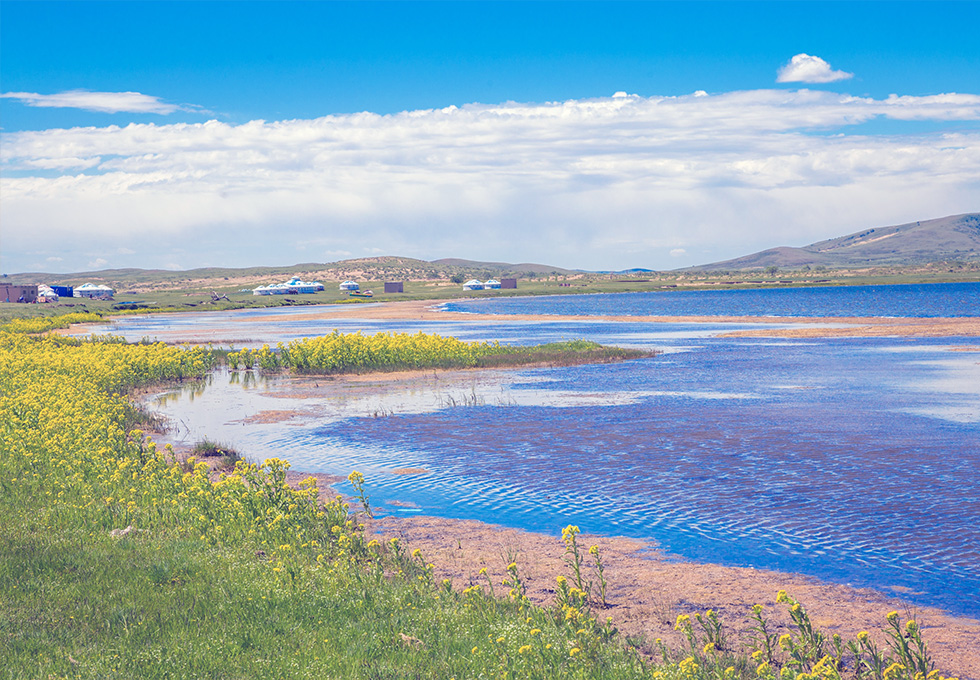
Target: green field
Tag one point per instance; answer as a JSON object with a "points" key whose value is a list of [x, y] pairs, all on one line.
{"points": [[146, 291]]}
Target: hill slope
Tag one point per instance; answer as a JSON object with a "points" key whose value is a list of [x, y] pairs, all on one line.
{"points": [[948, 238]]}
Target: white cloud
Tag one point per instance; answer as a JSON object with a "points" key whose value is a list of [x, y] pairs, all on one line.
{"points": [[102, 102], [677, 252], [54, 258], [97, 263], [580, 183], [63, 163], [804, 68]]}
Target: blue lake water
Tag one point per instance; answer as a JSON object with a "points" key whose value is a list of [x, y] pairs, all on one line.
{"points": [[854, 460], [919, 300]]}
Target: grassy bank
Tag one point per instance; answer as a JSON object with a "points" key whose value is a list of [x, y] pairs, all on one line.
{"points": [[118, 561], [358, 353]]}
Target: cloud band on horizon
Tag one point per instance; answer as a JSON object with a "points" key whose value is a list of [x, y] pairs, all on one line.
{"points": [[585, 181]]}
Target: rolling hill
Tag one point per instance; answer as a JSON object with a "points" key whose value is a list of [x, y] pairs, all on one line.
{"points": [[947, 238]]}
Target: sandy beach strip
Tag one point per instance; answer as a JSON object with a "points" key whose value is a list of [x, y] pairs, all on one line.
{"points": [[803, 327]]}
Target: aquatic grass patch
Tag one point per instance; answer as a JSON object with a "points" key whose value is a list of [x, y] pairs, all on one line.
{"points": [[226, 455], [357, 353], [43, 324]]}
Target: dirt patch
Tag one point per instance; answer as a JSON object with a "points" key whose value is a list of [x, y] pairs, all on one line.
{"points": [[410, 471]]}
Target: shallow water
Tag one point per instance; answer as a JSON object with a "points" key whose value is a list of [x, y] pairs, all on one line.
{"points": [[853, 460]]}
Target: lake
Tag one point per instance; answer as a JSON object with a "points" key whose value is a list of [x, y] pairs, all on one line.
{"points": [[854, 460]]}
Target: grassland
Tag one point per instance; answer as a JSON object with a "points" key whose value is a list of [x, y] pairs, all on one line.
{"points": [[159, 291]]}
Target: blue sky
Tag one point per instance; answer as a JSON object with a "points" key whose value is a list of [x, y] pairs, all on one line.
{"points": [[361, 152]]}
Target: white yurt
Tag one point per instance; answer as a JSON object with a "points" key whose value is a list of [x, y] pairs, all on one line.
{"points": [[90, 290]]}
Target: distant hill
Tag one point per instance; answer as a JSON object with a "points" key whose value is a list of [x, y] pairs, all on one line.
{"points": [[502, 267], [389, 268], [948, 238]]}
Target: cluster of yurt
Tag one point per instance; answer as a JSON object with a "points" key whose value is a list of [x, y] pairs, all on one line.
{"points": [[292, 287], [474, 284]]}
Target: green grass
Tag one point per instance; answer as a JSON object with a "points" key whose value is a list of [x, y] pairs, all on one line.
{"points": [[82, 604]]}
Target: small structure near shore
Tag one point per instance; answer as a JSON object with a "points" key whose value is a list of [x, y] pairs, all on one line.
{"points": [[350, 285], [394, 287], [509, 283], [292, 287], [473, 284], [94, 292], [10, 293]]}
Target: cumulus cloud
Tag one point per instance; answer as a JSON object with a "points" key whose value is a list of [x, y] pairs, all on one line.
{"points": [[805, 68], [101, 102], [583, 183], [677, 252]]}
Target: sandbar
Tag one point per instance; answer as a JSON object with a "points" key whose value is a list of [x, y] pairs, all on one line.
{"points": [[803, 327]]}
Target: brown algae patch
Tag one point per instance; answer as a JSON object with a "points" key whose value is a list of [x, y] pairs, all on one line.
{"points": [[401, 504], [269, 417], [410, 471]]}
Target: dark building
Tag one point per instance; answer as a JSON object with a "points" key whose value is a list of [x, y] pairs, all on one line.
{"points": [[394, 287], [63, 291], [508, 283]]}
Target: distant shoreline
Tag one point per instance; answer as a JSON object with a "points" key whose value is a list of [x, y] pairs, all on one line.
{"points": [[426, 310]]}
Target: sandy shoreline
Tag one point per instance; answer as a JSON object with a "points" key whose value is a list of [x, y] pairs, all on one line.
{"points": [[647, 591], [427, 310]]}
